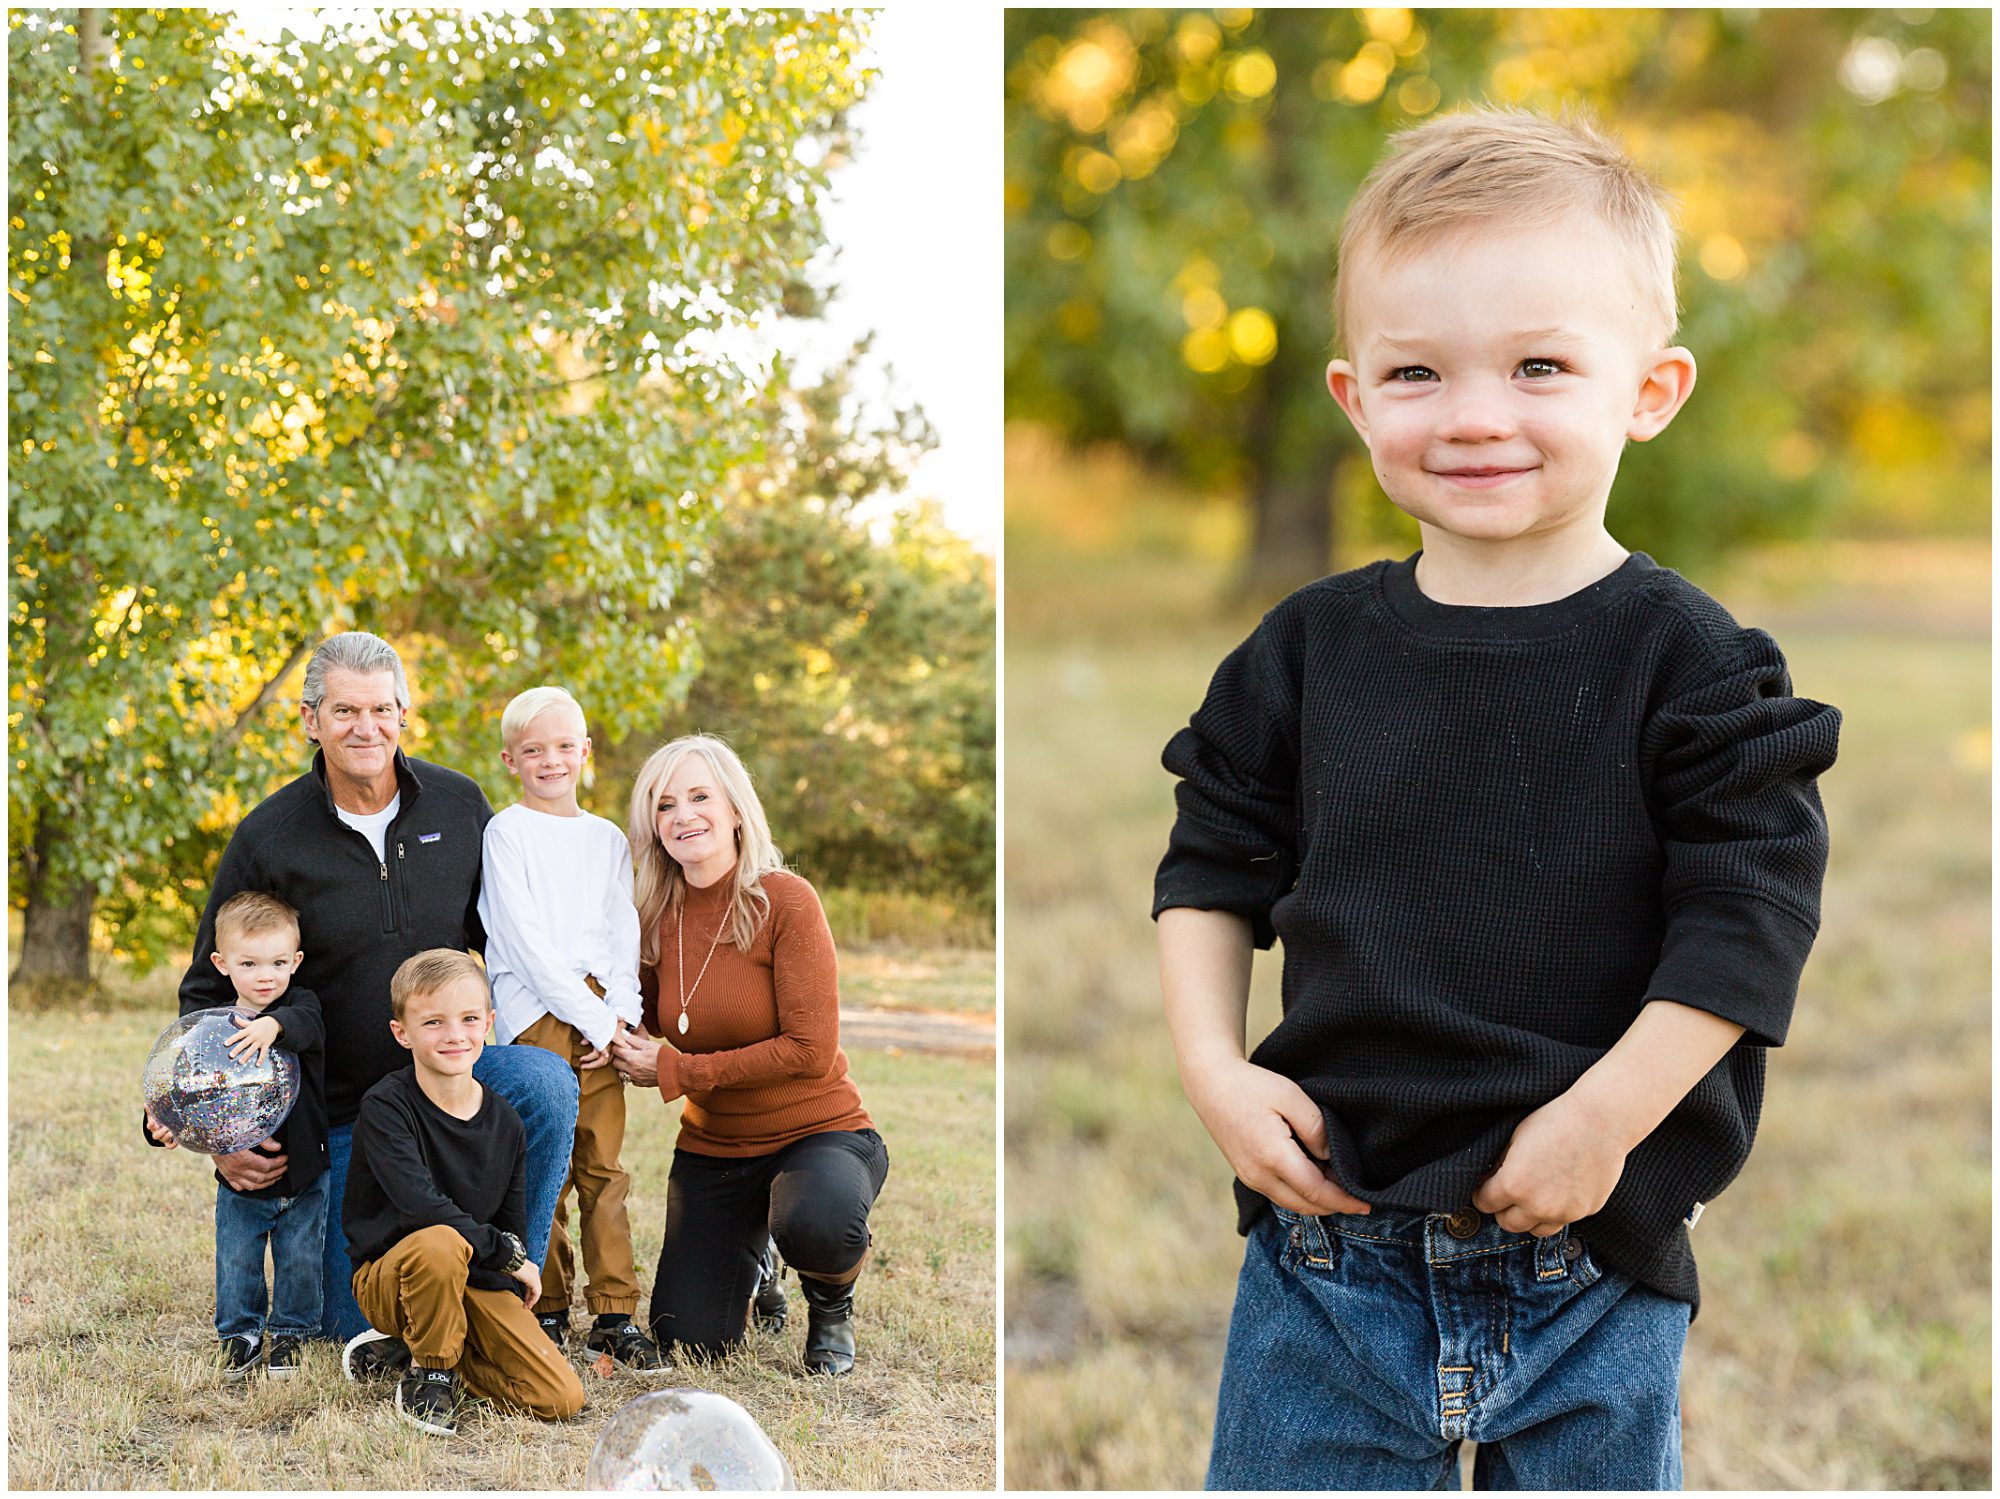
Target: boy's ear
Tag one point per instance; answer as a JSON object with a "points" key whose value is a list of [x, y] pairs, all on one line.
{"points": [[1664, 388], [220, 966], [298, 957], [396, 1030], [507, 758], [1345, 384]]}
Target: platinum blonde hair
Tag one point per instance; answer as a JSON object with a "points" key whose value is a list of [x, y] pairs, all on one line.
{"points": [[531, 705], [659, 886], [1510, 167], [356, 651]]}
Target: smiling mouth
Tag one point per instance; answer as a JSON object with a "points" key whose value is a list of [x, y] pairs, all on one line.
{"points": [[1479, 477]]}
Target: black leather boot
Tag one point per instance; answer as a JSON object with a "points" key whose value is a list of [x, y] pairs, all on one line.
{"points": [[768, 1304], [829, 1326]]}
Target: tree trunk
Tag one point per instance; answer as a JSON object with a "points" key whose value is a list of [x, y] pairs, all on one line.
{"points": [[55, 935], [1291, 541]]}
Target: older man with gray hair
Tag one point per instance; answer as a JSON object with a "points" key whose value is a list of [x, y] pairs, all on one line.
{"points": [[380, 854]]}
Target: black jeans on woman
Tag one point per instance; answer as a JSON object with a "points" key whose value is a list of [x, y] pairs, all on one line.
{"points": [[813, 1197]]}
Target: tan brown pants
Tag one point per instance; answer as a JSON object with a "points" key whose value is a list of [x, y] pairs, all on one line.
{"points": [[417, 1292], [599, 1182]]}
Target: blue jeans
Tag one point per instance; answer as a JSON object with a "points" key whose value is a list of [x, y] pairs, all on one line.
{"points": [[1365, 1347], [294, 1226], [543, 1092]]}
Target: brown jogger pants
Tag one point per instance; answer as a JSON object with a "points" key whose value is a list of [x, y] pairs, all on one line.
{"points": [[417, 1292], [599, 1181]]}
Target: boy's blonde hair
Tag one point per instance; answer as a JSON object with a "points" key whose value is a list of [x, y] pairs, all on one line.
{"points": [[531, 705], [1512, 167], [251, 912], [429, 971], [660, 885]]}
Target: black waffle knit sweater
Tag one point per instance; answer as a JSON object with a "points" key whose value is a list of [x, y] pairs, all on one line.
{"points": [[1487, 837]]}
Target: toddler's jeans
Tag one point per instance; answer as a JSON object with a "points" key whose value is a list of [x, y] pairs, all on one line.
{"points": [[294, 1226], [1364, 1348]]}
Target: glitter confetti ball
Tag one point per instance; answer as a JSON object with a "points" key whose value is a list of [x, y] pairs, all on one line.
{"points": [[212, 1102], [682, 1441]]}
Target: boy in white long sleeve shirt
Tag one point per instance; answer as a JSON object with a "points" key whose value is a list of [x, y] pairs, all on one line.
{"points": [[562, 950]]}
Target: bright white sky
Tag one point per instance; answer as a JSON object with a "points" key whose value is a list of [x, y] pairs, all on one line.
{"points": [[914, 236]]}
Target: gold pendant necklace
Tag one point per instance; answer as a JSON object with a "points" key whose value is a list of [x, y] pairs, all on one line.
{"points": [[680, 958]]}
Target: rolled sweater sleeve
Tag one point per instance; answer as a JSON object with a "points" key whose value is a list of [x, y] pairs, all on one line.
{"points": [[1234, 841], [1731, 768]]}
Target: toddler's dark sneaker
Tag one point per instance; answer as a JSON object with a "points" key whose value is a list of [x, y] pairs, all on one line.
{"points": [[428, 1400], [373, 1355], [614, 1334], [239, 1358], [555, 1324], [284, 1361]]}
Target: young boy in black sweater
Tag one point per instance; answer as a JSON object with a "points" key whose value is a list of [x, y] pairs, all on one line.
{"points": [[1536, 821], [257, 951], [436, 1208]]}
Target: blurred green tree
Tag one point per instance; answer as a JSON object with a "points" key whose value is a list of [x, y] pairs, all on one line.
{"points": [[422, 325], [1175, 181]]}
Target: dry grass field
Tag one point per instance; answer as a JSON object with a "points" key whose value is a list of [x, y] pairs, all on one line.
{"points": [[111, 1291], [1845, 1336]]}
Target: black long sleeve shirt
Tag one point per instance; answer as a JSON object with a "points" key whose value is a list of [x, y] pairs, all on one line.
{"points": [[415, 1166], [1487, 838], [359, 916]]}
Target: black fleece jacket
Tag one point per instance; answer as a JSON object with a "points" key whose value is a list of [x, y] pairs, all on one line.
{"points": [[359, 917]]}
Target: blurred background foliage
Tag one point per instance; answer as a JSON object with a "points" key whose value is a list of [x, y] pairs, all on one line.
{"points": [[443, 325], [1175, 182]]}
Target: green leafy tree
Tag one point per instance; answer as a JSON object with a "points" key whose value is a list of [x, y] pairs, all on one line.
{"points": [[420, 325], [848, 654], [1175, 181]]}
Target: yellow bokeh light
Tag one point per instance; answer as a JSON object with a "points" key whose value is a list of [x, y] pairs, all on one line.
{"points": [[1253, 336], [1069, 241], [1204, 307], [1205, 350], [1097, 172], [1197, 38], [1392, 26], [1251, 76], [1362, 80], [1417, 96], [1722, 257]]}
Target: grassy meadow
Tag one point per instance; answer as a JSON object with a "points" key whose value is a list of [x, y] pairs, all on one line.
{"points": [[1845, 1336], [111, 1292]]}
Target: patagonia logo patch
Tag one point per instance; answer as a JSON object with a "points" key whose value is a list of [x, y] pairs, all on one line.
{"points": [[429, 837]]}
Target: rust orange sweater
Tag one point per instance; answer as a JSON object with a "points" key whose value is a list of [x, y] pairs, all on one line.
{"points": [[761, 1063]]}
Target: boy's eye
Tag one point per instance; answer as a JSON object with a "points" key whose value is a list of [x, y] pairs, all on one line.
{"points": [[1411, 374], [1541, 369]]}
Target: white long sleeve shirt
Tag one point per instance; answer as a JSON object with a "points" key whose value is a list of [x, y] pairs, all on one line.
{"points": [[555, 897]]}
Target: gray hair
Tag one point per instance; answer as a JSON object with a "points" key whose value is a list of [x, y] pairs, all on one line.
{"points": [[356, 651]]}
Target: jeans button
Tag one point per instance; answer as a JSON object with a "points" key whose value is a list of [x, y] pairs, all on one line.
{"points": [[1571, 1249], [1464, 1223]]}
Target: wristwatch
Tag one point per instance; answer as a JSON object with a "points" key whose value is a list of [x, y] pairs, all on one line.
{"points": [[518, 1257]]}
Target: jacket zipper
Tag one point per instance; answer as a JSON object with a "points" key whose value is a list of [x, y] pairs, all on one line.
{"points": [[388, 905], [402, 876]]}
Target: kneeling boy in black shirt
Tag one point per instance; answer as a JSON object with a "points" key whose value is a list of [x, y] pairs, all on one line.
{"points": [[435, 1211]]}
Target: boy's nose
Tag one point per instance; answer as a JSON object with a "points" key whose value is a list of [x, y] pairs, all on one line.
{"points": [[1475, 416]]}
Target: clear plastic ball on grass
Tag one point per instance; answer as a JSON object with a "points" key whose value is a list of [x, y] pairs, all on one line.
{"points": [[683, 1441], [212, 1102]]}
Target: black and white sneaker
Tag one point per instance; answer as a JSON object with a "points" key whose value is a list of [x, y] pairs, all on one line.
{"points": [[284, 1361], [556, 1325], [617, 1336], [374, 1355], [428, 1400], [238, 1358]]}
